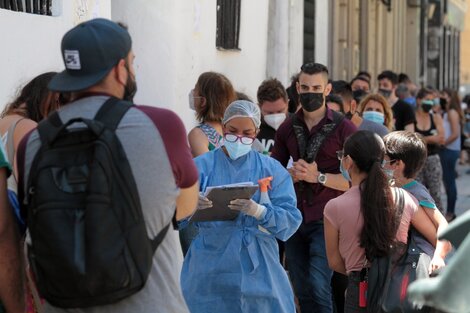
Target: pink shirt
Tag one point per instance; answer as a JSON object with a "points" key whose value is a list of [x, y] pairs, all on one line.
{"points": [[344, 213]]}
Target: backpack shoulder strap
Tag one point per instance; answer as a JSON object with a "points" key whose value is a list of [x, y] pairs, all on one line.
{"points": [[112, 111], [49, 127], [161, 235]]}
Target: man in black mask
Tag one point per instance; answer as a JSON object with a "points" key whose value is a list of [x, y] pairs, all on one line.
{"points": [[403, 113], [311, 138], [344, 90]]}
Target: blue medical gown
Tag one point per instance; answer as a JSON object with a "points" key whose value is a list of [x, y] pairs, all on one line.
{"points": [[233, 266]]}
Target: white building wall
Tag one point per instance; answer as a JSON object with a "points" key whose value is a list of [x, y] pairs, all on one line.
{"points": [[322, 32], [31, 43], [174, 42], [285, 39]]}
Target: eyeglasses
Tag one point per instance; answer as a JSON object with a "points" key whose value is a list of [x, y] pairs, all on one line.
{"points": [[389, 161], [243, 139], [340, 154]]}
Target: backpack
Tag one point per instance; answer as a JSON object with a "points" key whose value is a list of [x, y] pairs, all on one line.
{"points": [[389, 276], [89, 244]]}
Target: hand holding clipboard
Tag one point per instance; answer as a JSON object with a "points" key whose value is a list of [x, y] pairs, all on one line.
{"points": [[221, 197]]}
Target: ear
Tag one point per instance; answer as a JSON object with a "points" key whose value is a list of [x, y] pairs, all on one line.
{"points": [[353, 106], [121, 72], [297, 86], [327, 89], [203, 102], [347, 162]]}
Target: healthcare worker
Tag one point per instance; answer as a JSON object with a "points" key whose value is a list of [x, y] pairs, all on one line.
{"points": [[233, 266]]}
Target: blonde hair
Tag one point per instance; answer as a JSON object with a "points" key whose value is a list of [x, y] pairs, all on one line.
{"points": [[387, 110]]}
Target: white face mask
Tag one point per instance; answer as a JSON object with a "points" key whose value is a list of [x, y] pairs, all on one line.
{"points": [[275, 120], [191, 100]]}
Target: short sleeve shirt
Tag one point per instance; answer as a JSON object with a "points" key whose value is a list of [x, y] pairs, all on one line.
{"points": [[3, 160], [403, 114], [426, 201], [374, 127], [156, 147], [344, 213]]}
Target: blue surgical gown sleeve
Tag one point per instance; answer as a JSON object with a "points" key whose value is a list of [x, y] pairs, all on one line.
{"points": [[282, 217]]}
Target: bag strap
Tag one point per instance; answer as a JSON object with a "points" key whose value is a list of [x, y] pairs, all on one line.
{"points": [[110, 114], [400, 201], [155, 242], [308, 150], [112, 111], [10, 144]]}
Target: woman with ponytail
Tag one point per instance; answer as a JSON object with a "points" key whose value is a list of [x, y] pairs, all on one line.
{"points": [[363, 223]]}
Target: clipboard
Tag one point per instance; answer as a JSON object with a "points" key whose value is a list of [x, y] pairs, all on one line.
{"points": [[221, 198]]}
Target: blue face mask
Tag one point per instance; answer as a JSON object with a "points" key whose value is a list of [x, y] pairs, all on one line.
{"points": [[411, 101], [374, 116], [236, 149], [344, 172], [389, 173]]}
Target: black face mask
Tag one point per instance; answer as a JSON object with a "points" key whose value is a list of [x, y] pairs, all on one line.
{"points": [[443, 103], [348, 115], [385, 92], [131, 87], [426, 107], [311, 101], [359, 94]]}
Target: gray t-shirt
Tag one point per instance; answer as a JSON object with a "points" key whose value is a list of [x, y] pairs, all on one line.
{"points": [[156, 146], [377, 128], [425, 200]]}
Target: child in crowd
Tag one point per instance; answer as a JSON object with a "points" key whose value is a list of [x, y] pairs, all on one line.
{"points": [[405, 156]]}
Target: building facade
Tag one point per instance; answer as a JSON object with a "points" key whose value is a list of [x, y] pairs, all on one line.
{"points": [[417, 37], [248, 41]]}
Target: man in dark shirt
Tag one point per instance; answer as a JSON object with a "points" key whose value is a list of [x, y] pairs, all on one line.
{"points": [[403, 113], [272, 100], [316, 183]]}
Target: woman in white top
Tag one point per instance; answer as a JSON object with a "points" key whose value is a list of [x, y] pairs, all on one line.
{"points": [[453, 120]]}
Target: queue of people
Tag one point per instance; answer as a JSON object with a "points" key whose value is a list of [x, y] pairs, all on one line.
{"points": [[335, 153]]}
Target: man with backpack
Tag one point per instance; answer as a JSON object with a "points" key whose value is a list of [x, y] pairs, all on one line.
{"points": [[101, 183], [311, 138]]}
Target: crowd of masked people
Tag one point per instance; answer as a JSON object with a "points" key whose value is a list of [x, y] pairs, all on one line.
{"points": [[355, 169]]}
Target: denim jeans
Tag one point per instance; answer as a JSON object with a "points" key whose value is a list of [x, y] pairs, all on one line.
{"points": [[448, 161], [308, 268]]}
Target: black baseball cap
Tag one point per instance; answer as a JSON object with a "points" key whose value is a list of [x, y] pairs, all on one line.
{"points": [[90, 50]]}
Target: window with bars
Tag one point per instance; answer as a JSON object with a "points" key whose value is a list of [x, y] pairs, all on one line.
{"points": [[41, 7], [228, 24]]}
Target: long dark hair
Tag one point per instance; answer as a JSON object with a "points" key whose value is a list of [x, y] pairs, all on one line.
{"points": [[455, 103], [367, 150], [38, 100]]}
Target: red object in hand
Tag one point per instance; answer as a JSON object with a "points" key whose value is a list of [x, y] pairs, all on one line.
{"points": [[362, 294]]}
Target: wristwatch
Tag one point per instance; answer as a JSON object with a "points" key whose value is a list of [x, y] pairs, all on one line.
{"points": [[321, 178]]}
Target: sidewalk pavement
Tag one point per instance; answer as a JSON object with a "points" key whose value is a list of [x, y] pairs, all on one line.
{"points": [[463, 190]]}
